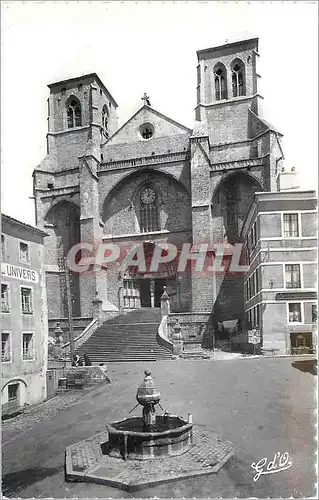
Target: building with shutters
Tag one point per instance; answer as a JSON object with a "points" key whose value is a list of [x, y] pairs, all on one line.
{"points": [[24, 334], [280, 235]]}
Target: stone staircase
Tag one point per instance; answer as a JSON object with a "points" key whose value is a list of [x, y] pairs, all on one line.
{"points": [[127, 337]]}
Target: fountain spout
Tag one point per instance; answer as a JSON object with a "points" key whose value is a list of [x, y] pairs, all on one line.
{"points": [[148, 395]]}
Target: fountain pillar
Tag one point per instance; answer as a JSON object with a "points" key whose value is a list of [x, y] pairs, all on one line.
{"points": [[148, 396]]}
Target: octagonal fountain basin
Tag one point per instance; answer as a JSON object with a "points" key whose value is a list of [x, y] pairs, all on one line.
{"points": [[130, 439]]}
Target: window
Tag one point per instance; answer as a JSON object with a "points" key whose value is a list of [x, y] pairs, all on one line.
{"points": [[105, 117], [252, 286], [254, 236], [246, 291], [74, 114], [249, 318], [5, 347], [294, 312], [148, 210], [130, 294], [27, 346], [291, 226], [292, 272], [26, 300], [24, 252], [314, 313], [13, 390], [220, 83], [255, 316], [3, 246], [198, 75], [147, 130], [238, 84], [258, 315], [257, 280], [247, 252], [5, 305]]}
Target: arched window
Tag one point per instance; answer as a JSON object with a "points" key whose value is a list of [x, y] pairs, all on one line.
{"points": [[148, 209], [220, 82], [74, 113], [105, 120], [238, 78]]}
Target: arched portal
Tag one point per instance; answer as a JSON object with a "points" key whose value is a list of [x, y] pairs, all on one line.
{"points": [[143, 286], [231, 203], [65, 220]]}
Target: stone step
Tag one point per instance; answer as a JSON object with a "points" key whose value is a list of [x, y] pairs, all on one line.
{"points": [[131, 337]]}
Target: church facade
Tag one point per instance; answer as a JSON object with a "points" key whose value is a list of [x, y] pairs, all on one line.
{"points": [[154, 182]]}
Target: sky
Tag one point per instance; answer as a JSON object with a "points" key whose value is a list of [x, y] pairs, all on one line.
{"points": [[138, 47]]}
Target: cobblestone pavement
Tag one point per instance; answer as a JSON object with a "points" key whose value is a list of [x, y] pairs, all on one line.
{"points": [[262, 406], [47, 410], [207, 455]]}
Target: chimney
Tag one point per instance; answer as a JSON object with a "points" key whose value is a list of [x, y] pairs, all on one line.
{"points": [[287, 179]]}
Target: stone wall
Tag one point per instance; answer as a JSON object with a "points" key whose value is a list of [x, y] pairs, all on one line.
{"points": [[120, 211]]}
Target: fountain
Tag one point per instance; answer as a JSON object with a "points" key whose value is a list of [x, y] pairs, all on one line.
{"points": [[149, 436], [147, 450]]}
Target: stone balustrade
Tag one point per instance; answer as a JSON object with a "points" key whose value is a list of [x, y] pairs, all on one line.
{"points": [[196, 328], [144, 161], [184, 331]]}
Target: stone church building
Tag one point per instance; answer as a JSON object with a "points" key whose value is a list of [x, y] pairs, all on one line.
{"points": [[154, 181]]}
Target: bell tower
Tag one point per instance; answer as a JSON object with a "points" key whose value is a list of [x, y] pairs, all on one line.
{"points": [[79, 110], [81, 118], [227, 86]]}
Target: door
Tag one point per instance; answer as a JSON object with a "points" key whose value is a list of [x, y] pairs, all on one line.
{"points": [[145, 293]]}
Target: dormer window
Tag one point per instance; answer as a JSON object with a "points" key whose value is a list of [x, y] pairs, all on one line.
{"points": [[74, 113], [238, 78], [220, 82]]}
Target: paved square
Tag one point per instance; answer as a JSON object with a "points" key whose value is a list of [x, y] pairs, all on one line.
{"points": [[261, 406]]}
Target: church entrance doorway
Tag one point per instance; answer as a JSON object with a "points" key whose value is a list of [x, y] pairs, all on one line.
{"points": [[151, 291], [145, 292]]}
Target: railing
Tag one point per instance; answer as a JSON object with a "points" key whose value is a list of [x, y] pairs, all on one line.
{"points": [[83, 336], [27, 355], [163, 335]]}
